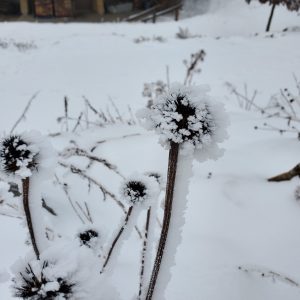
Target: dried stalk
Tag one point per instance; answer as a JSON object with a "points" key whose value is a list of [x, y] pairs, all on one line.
{"points": [[66, 113], [145, 244], [287, 175], [83, 153], [23, 115], [26, 185], [64, 187], [104, 191], [117, 238], [271, 274], [172, 166]]}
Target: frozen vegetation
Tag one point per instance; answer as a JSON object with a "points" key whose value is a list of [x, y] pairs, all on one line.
{"points": [[95, 201]]}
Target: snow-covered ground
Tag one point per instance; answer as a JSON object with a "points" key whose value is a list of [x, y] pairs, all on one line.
{"points": [[234, 216]]}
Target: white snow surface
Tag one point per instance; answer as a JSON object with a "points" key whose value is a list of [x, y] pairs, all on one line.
{"points": [[234, 217]]}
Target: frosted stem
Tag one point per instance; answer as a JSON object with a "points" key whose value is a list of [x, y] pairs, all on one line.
{"points": [[117, 238], [145, 244], [172, 166], [26, 184]]}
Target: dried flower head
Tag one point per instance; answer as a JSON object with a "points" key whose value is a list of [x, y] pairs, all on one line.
{"points": [[34, 283], [17, 156], [21, 155], [88, 237], [189, 117], [137, 189]]}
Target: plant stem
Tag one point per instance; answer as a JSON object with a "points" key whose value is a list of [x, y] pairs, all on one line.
{"points": [[145, 244], [117, 238], [26, 184], [172, 167], [270, 18]]}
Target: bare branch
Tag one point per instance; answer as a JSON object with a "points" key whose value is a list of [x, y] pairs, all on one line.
{"points": [[287, 175], [23, 115]]}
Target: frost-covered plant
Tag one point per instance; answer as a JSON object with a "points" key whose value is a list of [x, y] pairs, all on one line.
{"points": [[34, 283], [190, 124], [293, 5], [88, 237], [21, 156], [138, 191]]}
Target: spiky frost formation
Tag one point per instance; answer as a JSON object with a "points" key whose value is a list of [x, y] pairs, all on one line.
{"points": [[138, 189], [22, 155], [189, 117], [34, 283]]}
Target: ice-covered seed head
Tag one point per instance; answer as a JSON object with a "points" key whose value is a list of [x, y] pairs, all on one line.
{"points": [[135, 191], [182, 120], [16, 154], [87, 236], [188, 116], [33, 283]]}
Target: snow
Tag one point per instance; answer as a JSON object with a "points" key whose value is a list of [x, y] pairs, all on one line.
{"points": [[233, 218]]}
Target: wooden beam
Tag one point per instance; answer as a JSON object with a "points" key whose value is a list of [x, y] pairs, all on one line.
{"points": [[24, 7], [99, 7]]}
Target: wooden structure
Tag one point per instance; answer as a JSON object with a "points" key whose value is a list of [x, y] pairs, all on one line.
{"points": [[140, 10]]}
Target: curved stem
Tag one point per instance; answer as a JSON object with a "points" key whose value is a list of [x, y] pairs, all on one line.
{"points": [[25, 185], [117, 238], [172, 167], [145, 244]]}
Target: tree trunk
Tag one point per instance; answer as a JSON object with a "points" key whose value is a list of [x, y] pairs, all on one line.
{"points": [[270, 18]]}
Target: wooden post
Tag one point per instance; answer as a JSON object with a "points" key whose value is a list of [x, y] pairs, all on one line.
{"points": [[99, 7], [154, 17], [24, 7], [177, 14]]}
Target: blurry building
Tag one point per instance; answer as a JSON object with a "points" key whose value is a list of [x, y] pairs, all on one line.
{"points": [[73, 8]]}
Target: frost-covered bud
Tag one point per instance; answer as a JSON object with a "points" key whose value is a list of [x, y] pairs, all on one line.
{"points": [[34, 283], [88, 237], [22, 155], [138, 189], [189, 117]]}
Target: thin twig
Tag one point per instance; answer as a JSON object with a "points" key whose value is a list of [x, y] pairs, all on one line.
{"points": [[271, 274], [286, 175], [68, 152], [66, 113], [117, 238], [103, 189], [64, 187], [145, 244], [23, 115]]}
